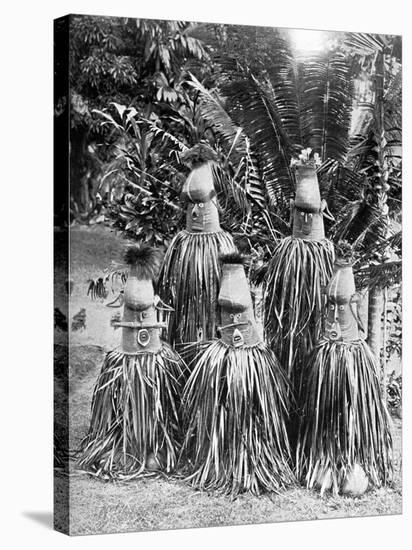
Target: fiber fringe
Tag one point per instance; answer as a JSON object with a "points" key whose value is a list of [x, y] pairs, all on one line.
{"points": [[189, 282], [345, 418], [135, 415], [293, 301], [235, 405]]}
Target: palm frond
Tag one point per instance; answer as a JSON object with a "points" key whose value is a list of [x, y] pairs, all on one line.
{"points": [[254, 105], [382, 275], [244, 207], [213, 110], [339, 185], [365, 44], [361, 223], [326, 104]]}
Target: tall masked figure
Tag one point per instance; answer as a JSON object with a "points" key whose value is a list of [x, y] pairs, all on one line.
{"points": [[235, 402], [301, 265], [190, 277], [345, 440], [134, 415]]}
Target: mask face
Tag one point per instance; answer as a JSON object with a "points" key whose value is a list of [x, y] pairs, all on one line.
{"points": [[341, 320], [305, 222], [238, 329], [140, 326], [202, 217], [308, 225], [238, 325]]}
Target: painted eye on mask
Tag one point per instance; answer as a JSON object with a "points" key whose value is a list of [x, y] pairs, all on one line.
{"points": [[145, 315], [310, 216], [302, 214], [332, 307], [341, 308], [235, 316], [201, 205]]}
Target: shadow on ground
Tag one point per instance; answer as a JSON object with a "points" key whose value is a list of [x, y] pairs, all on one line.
{"points": [[42, 518]]}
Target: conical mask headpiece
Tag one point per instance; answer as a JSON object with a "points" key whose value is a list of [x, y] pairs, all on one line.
{"points": [[342, 319], [307, 206], [238, 326], [140, 326], [198, 192]]}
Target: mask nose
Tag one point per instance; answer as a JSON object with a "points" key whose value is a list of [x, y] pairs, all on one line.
{"points": [[237, 338], [195, 212], [306, 225]]}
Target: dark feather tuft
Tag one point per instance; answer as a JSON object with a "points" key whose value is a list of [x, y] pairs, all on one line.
{"points": [[345, 253], [233, 258], [202, 152], [146, 259]]}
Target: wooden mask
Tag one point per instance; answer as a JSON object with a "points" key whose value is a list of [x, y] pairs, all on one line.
{"points": [[237, 317], [199, 194]]}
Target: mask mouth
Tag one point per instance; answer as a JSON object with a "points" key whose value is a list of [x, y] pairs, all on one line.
{"points": [[237, 338], [334, 332], [143, 337]]}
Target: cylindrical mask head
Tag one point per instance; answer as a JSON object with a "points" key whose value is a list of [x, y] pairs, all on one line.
{"points": [[307, 206], [140, 327], [341, 320], [198, 192], [238, 326]]}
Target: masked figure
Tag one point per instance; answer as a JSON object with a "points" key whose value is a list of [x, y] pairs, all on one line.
{"points": [[301, 265], [345, 441], [134, 421], [235, 401], [190, 276]]}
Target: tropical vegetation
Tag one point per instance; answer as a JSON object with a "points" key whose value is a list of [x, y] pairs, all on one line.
{"points": [[144, 92]]}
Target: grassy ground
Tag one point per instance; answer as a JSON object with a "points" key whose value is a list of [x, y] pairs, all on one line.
{"points": [[157, 503]]}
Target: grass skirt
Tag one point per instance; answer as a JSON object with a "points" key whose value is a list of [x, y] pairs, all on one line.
{"points": [[345, 420], [293, 301], [134, 421], [235, 406], [189, 282]]}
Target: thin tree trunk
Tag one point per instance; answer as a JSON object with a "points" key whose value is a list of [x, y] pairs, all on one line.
{"points": [[385, 358], [375, 309]]}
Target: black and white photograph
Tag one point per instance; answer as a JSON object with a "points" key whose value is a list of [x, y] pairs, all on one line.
{"points": [[227, 274]]}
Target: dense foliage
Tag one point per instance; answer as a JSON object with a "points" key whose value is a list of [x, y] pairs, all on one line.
{"points": [[144, 92]]}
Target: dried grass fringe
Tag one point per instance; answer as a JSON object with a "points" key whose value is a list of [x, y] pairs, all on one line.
{"points": [[294, 301], [135, 414], [189, 282], [345, 418], [235, 409]]}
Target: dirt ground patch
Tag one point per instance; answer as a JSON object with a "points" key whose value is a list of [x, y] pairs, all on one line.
{"points": [[157, 503]]}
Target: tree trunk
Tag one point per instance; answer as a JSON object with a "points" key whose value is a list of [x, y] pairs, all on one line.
{"points": [[374, 323], [385, 358]]}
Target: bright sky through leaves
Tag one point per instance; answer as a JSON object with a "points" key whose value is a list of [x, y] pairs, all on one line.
{"points": [[306, 40]]}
